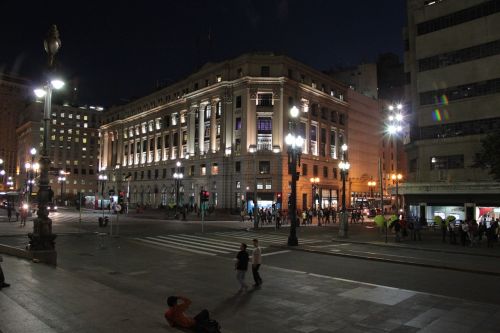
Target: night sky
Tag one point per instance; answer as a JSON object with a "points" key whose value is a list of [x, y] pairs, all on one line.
{"points": [[120, 52]]}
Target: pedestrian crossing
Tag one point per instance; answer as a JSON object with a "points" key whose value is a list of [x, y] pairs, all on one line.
{"points": [[211, 244], [267, 238]]}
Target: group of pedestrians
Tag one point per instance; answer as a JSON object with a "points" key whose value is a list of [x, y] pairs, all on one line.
{"points": [[241, 265], [20, 212], [471, 232], [323, 215]]}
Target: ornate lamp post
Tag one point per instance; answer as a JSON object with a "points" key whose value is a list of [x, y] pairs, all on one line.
{"points": [[314, 181], [42, 237], [62, 179], [178, 178], [294, 143], [344, 169]]}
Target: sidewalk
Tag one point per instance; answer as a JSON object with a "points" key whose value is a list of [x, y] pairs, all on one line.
{"points": [[114, 290]]}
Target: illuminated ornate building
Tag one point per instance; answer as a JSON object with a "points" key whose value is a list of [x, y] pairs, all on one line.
{"points": [[211, 122]]}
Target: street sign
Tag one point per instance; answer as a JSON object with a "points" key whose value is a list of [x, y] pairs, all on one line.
{"points": [[118, 208]]}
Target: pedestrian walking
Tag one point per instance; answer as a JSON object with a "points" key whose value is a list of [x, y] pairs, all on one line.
{"points": [[24, 216], [9, 212], [256, 262], [241, 266], [3, 284]]}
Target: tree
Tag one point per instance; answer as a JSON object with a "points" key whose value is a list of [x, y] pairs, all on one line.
{"points": [[489, 157]]}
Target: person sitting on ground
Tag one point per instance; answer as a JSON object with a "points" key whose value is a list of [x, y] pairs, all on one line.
{"points": [[177, 318]]}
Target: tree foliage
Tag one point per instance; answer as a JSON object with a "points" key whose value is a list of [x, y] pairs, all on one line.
{"points": [[489, 155]]}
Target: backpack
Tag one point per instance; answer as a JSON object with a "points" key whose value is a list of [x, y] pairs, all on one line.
{"points": [[209, 326]]}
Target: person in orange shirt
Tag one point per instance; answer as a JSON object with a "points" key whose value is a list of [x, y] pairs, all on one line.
{"points": [[177, 318]]}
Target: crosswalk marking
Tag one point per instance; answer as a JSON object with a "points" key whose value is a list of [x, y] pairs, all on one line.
{"points": [[211, 243], [183, 243], [173, 246], [207, 245], [196, 243], [261, 237]]}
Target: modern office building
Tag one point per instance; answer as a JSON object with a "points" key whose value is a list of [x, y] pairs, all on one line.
{"points": [[73, 148], [14, 92], [452, 59], [226, 125]]}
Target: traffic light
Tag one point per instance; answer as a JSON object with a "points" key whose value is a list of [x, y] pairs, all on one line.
{"points": [[204, 196]]}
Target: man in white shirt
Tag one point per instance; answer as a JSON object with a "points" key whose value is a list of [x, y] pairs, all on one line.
{"points": [[256, 262]]}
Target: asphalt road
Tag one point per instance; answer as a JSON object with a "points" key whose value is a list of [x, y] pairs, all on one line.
{"points": [[90, 254]]}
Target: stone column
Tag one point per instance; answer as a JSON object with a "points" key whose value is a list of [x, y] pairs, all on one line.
{"points": [[213, 127], [201, 129]]}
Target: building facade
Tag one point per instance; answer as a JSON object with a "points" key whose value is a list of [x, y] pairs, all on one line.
{"points": [[14, 92], [452, 56], [73, 148], [212, 120]]}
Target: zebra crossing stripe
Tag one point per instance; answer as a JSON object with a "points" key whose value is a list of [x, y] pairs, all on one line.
{"points": [[216, 240], [206, 243], [262, 237], [185, 243], [173, 246]]}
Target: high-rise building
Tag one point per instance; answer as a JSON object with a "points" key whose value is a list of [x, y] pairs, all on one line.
{"points": [[452, 59], [73, 149], [213, 120], [14, 92]]}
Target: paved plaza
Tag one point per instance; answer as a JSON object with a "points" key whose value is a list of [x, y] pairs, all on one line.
{"points": [[120, 284]]}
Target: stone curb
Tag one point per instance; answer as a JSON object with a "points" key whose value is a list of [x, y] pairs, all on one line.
{"points": [[393, 261], [417, 248]]}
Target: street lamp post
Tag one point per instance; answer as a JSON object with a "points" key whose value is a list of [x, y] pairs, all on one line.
{"points": [[102, 179], [397, 178], [314, 181], [42, 237], [178, 178], [394, 128], [62, 179], [2, 173], [294, 143], [344, 169]]}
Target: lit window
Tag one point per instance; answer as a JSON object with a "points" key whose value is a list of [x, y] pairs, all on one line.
{"points": [[61, 138], [215, 169], [203, 170], [75, 162], [77, 116], [85, 125], [70, 116], [219, 78], [85, 118], [238, 184], [62, 115], [77, 139], [54, 121], [53, 137], [84, 140]]}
